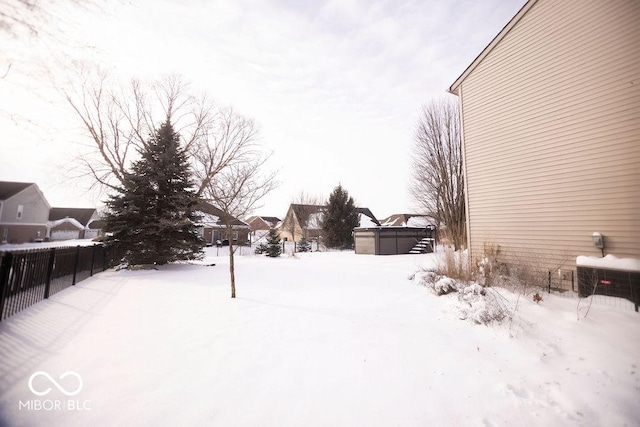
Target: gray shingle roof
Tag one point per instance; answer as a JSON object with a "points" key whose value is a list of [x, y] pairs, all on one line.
{"points": [[9, 189], [82, 215]]}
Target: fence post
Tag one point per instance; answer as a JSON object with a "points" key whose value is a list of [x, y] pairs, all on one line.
{"points": [[75, 265], [103, 251], [549, 281], [635, 288], [93, 256], [6, 258], [52, 258]]}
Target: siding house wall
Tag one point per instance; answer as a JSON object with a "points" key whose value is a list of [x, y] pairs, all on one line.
{"points": [[31, 224], [35, 209], [551, 134]]}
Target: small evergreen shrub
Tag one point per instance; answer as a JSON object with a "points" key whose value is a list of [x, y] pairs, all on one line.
{"points": [[304, 245], [261, 249], [274, 244]]}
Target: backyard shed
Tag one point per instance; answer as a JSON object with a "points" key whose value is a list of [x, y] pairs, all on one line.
{"points": [[393, 240]]}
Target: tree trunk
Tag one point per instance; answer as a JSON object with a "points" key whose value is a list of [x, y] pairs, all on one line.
{"points": [[232, 271]]}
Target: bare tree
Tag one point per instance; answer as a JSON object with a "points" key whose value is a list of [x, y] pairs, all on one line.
{"points": [[237, 190], [437, 184], [119, 119]]}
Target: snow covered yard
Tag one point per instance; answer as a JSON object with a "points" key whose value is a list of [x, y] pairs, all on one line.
{"points": [[319, 339]]}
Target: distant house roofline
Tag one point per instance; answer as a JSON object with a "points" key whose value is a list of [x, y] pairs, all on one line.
{"points": [[9, 189], [210, 209], [82, 215]]}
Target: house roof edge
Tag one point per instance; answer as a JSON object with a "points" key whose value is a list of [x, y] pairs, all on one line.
{"points": [[454, 88]]}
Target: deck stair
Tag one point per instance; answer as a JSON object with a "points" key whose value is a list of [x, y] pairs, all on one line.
{"points": [[424, 246]]}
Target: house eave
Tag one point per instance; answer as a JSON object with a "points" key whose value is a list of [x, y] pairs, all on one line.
{"points": [[455, 87]]}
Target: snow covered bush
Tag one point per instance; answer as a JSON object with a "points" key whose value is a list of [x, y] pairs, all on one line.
{"points": [[438, 284], [445, 285], [481, 305], [475, 302], [487, 267]]}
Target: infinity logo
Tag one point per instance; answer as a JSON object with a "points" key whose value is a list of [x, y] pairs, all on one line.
{"points": [[58, 386]]}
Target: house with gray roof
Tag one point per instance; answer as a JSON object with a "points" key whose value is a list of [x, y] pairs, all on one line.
{"points": [[24, 212], [213, 226], [306, 220], [73, 223]]}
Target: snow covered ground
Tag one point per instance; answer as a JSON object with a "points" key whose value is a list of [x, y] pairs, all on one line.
{"points": [[313, 340]]}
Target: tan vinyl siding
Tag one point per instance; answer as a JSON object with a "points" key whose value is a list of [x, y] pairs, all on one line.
{"points": [[552, 134]]}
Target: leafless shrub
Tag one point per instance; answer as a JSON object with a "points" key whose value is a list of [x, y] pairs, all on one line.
{"points": [[592, 278], [454, 264], [524, 273], [487, 266]]}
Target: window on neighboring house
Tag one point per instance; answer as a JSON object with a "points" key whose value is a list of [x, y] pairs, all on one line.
{"points": [[235, 235], [20, 209]]}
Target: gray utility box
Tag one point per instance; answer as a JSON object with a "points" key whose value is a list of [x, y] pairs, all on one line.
{"points": [[615, 283]]}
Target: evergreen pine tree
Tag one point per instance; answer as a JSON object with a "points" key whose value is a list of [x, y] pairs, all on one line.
{"points": [[274, 245], [303, 245], [152, 215], [340, 218]]}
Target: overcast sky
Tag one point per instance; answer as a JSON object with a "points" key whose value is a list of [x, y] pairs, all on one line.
{"points": [[336, 86]]}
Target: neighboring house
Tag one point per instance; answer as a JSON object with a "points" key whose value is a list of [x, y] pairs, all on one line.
{"points": [[302, 220], [95, 229], [408, 220], [214, 230], [550, 123], [306, 220], [264, 223], [24, 212], [259, 226], [73, 223]]}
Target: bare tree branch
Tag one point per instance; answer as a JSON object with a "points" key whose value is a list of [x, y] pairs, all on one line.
{"points": [[119, 120], [229, 140]]}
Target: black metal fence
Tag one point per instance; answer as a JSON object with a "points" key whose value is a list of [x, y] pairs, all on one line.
{"points": [[29, 276]]}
